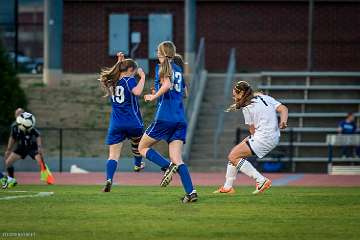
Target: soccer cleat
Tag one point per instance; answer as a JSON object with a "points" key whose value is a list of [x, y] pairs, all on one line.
{"points": [[11, 183], [107, 186], [170, 171], [4, 182], [225, 191], [262, 186], [138, 169], [189, 198]]}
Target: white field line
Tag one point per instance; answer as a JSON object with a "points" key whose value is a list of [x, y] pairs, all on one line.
{"points": [[38, 194]]}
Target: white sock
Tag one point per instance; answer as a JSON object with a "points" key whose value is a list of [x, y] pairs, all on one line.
{"points": [[248, 169], [10, 178], [230, 176]]}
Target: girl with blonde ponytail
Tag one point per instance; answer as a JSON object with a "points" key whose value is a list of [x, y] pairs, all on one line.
{"points": [[170, 122]]}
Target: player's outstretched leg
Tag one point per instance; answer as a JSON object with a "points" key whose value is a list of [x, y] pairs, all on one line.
{"points": [[146, 151], [262, 183]]}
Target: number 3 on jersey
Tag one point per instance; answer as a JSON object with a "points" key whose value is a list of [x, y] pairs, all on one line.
{"points": [[177, 78], [119, 96]]}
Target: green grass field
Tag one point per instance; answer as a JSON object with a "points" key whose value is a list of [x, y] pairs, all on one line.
{"points": [[83, 212]]}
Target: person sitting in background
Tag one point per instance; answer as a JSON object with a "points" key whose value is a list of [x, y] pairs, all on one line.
{"points": [[348, 126]]}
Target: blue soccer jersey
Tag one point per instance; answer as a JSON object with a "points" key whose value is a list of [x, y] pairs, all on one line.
{"points": [[170, 107], [170, 122], [125, 120]]}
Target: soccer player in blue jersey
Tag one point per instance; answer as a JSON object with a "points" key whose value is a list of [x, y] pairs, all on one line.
{"points": [[119, 83], [169, 123]]}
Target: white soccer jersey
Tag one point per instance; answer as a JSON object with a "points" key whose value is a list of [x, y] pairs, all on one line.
{"points": [[262, 114]]}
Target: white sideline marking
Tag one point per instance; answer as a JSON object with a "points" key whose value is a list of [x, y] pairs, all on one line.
{"points": [[38, 194]]}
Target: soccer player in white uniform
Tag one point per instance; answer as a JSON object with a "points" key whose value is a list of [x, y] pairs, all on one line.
{"points": [[260, 115]]}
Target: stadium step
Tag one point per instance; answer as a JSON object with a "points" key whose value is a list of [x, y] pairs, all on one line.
{"points": [[212, 103], [316, 106]]}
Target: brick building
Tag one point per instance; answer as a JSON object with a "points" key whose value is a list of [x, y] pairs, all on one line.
{"points": [[268, 34]]}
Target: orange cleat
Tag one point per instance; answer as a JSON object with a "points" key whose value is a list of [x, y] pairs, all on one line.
{"points": [[225, 191], [262, 186]]}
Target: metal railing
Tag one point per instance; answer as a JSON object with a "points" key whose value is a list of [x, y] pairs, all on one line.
{"points": [[231, 70], [194, 84], [197, 86]]}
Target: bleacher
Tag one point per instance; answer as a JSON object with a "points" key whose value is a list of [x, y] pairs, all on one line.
{"points": [[317, 102]]}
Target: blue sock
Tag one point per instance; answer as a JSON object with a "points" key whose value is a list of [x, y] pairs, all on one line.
{"points": [[137, 161], [185, 178], [1, 175], [156, 158], [111, 166]]}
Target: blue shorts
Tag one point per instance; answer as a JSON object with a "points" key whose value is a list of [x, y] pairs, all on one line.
{"points": [[167, 131], [117, 135]]}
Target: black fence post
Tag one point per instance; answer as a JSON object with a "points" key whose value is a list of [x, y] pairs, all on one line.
{"points": [[330, 158], [291, 150], [60, 149]]}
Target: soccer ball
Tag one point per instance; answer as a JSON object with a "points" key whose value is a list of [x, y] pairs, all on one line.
{"points": [[25, 121]]}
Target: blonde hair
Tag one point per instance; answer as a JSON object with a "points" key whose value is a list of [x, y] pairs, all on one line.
{"points": [[110, 76], [167, 50], [248, 94]]}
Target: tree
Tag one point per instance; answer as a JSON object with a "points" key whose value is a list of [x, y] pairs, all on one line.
{"points": [[12, 95]]}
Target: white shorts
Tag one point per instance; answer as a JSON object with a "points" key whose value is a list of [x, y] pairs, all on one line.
{"points": [[261, 147]]}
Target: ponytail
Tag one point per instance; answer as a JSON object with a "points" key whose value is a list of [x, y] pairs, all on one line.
{"points": [[110, 76], [167, 50], [165, 68]]}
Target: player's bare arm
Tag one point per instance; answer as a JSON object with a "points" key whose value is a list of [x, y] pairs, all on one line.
{"points": [[165, 86], [137, 91], [186, 89], [283, 110]]}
